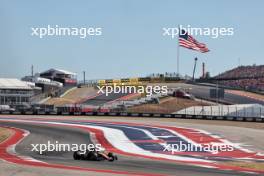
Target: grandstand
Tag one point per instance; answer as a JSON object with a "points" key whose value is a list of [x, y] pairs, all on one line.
{"points": [[249, 78], [39, 81], [15, 92], [66, 77], [53, 82], [243, 72]]}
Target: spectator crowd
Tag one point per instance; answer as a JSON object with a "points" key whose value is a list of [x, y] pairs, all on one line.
{"points": [[244, 77]]}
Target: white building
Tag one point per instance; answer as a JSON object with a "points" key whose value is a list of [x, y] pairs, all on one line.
{"points": [[14, 92], [63, 76]]}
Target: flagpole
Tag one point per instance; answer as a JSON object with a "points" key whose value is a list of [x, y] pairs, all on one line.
{"points": [[178, 55]]}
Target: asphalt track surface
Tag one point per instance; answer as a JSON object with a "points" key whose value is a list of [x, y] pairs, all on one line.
{"points": [[199, 91], [102, 99], [204, 92], [40, 133]]}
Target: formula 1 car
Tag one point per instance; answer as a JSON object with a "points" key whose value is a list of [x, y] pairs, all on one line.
{"points": [[94, 155]]}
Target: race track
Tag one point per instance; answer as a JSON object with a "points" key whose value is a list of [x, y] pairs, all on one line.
{"points": [[200, 91], [142, 155]]}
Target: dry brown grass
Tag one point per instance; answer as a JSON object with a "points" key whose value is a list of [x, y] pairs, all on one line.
{"points": [[167, 105], [248, 165], [4, 134], [59, 101], [73, 96]]}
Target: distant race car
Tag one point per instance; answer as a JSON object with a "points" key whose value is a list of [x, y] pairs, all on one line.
{"points": [[94, 155]]}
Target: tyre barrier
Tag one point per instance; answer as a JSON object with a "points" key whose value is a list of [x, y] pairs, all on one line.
{"points": [[134, 114]]}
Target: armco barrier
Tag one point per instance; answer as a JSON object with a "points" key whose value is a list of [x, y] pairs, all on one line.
{"points": [[134, 114]]}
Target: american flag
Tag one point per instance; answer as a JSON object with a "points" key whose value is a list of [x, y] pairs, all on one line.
{"points": [[187, 41]]}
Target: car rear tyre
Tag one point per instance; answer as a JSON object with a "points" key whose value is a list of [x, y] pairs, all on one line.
{"points": [[94, 156], [76, 156]]}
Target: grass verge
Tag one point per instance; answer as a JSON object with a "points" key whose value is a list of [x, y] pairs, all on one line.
{"points": [[248, 164], [4, 134]]}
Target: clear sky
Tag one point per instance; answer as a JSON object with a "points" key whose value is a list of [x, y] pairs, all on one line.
{"points": [[132, 43]]}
